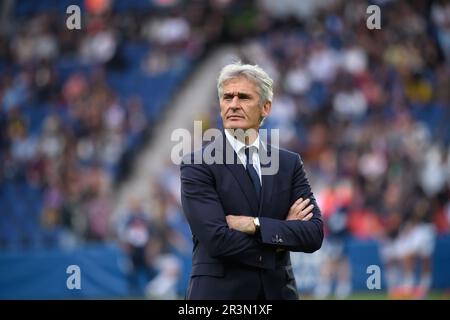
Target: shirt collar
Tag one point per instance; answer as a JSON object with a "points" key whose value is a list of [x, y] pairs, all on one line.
{"points": [[239, 146]]}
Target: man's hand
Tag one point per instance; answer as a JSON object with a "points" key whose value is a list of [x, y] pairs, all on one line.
{"points": [[241, 223], [300, 210]]}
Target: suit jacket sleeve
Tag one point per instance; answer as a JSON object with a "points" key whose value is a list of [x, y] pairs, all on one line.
{"points": [[204, 212], [295, 235]]}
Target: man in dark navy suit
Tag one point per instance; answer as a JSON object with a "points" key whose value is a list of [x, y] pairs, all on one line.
{"points": [[245, 219]]}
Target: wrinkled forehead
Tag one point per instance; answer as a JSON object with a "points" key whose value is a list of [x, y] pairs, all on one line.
{"points": [[240, 84]]}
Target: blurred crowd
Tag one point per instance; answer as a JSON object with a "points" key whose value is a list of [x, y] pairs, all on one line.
{"points": [[77, 105], [368, 110]]}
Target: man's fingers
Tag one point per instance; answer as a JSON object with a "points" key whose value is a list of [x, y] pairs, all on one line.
{"points": [[301, 207], [308, 217], [292, 211], [308, 209], [296, 203], [304, 204], [305, 212]]}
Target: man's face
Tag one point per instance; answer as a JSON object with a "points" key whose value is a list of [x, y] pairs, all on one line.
{"points": [[240, 105]]}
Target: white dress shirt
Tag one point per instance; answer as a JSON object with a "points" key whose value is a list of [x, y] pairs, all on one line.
{"points": [[239, 148]]}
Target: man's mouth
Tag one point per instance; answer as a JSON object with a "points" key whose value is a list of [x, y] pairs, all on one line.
{"points": [[234, 116]]}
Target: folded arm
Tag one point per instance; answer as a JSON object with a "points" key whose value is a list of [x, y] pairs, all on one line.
{"points": [[302, 230], [305, 235], [204, 212]]}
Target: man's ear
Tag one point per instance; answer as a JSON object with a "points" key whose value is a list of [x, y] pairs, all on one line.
{"points": [[266, 109]]}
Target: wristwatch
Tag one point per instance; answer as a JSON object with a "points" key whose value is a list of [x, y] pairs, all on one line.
{"points": [[256, 223]]}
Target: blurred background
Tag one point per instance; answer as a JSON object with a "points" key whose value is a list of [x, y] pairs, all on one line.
{"points": [[86, 123]]}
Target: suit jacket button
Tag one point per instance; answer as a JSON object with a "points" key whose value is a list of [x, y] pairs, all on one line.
{"points": [[260, 258]]}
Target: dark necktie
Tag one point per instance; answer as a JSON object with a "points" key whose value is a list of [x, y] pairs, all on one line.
{"points": [[252, 173]]}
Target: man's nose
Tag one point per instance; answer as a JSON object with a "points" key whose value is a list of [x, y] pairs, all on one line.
{"points": [[235, 103]]}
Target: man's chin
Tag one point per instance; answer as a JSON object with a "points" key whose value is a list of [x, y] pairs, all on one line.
{"points": [[235, 125]]}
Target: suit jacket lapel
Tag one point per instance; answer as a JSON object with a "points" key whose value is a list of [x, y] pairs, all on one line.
{"points": [[239, 173], [267, 180]]}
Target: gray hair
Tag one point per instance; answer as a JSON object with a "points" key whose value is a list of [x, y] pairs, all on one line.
{"points": [[254, 73]]}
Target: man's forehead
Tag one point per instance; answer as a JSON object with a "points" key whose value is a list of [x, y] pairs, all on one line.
{"points": [[239, 85], [237, 92]]}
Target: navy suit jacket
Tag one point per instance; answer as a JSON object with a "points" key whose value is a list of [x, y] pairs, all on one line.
{"points": [[229, 264]]}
